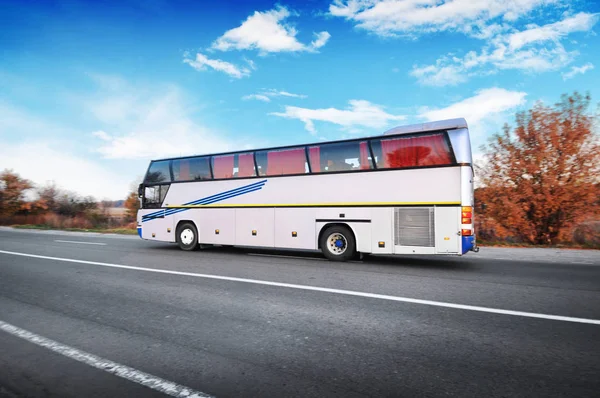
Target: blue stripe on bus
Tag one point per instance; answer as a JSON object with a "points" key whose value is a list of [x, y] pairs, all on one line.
{"points": [[261, 183], [207, 200], [219, 199]]}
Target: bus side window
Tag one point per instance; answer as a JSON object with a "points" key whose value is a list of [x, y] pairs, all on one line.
{"points": [[223, 166], [245, 165], [413, 151], [191, 169], [282, 162], [340, 157]]}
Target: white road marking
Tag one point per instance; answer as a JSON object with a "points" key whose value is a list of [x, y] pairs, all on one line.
{"points": [[83, 243], [323, 289], [131, 374]]}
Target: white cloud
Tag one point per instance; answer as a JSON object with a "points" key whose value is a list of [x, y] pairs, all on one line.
{"points": [[321, 40], [124, 126], [31, 146], [280, 93], [536, 49], [43, 161], [359, 113], [102, 135], [268, 33], [251, 64], [440, 74], [485, 103], [266, 95], [408, 17], [153, 122], [576, 70], [258, 97], [581, 22], [202, 61]]}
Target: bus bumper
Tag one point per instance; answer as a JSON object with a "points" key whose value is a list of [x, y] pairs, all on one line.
{"points": [[139, 229], [468, 244]]}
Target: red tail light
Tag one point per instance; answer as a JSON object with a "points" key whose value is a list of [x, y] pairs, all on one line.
{"points": [[467, 215], [466, 232]]}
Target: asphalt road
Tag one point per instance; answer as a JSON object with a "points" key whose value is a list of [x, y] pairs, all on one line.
{"points": [[227, 338]]}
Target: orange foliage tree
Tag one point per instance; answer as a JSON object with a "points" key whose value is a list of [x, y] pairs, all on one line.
{"points": [[540, 179], [132, 204], [12, 193]]}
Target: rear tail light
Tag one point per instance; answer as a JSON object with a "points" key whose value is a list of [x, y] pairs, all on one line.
{"points": [[466, 232], [467, 215]]}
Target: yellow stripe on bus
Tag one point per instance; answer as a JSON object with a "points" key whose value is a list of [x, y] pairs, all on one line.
{"points": [[316, 204]]}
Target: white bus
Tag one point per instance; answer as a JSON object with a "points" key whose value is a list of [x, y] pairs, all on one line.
{"points": [[407, 191]]}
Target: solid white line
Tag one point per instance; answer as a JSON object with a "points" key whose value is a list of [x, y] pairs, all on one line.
{"points": [[83, 243], [131, 374], [322, 289]]}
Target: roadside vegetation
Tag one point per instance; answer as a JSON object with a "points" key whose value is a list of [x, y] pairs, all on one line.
{"points": [[24, 205], [538, 184]]}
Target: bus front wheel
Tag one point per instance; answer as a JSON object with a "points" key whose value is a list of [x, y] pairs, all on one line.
{"points": [[187, 236], [338, 244]]}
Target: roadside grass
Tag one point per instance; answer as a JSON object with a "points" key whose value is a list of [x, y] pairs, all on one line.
{"points": [[122, 231]]}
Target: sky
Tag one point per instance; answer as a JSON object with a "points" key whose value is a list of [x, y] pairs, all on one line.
{"points": [[91, 91]]}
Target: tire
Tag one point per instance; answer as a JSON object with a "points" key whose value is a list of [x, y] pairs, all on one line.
{"points": [[338, 243], [187, 236]]}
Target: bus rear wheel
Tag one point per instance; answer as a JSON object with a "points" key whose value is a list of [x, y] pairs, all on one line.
{"points": [[338, 244], [187, 236]]}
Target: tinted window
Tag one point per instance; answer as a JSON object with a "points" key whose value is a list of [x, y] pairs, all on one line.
{"points": [[193, 169], [399, 152], [158, 172], [234, 166], [340, 157], [282, 162], [154, 196]]}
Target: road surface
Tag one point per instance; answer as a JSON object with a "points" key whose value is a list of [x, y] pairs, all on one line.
{"points": [[94, 315]]}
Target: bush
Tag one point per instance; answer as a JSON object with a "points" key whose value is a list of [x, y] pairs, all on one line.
{"points": [[588, 234]]}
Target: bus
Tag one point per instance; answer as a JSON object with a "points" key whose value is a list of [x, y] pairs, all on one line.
{"points": [[408, 190]]}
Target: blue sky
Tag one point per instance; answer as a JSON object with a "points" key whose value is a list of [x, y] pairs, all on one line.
{"points": [[91, 91]]}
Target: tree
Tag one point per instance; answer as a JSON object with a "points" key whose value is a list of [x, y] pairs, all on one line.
{"points": [[12, 193], [541, 178], [71, 205], [132, 204], [50, 194]]}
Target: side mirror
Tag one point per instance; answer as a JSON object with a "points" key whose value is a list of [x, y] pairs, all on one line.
{"points": [[140, 190]]}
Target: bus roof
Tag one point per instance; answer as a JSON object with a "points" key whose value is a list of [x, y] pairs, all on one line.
{"points": [[448, 124]]}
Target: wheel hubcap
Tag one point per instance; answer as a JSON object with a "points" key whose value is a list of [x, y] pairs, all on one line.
{"points": [[337, 243], [187, 236]]}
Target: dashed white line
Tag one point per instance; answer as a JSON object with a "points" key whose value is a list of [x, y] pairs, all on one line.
{"points": [[322, 289], [126, 372], [78, 241]]}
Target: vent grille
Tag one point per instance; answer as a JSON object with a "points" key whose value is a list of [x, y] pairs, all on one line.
{"points": [[414, 226]]}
